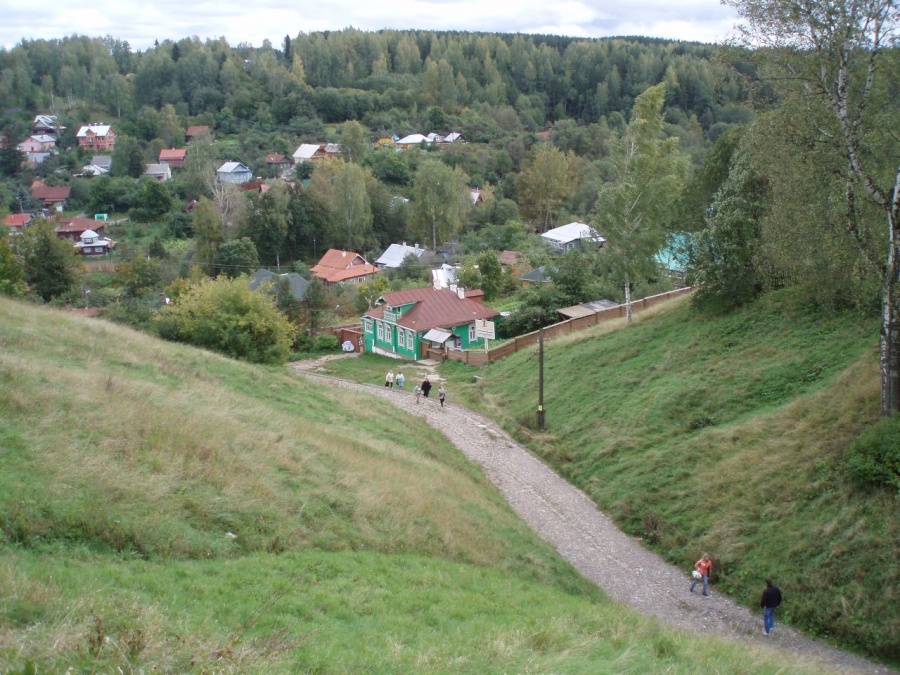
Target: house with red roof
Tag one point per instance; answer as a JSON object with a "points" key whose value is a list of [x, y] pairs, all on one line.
{"points": [[50, 197], [195, 132], [17, 222], [174, 157], [73, 228], [340, 267], [403, 324]]}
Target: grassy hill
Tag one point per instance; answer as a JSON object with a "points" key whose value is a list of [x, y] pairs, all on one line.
{"points": [[728, 435], [165, 508]]}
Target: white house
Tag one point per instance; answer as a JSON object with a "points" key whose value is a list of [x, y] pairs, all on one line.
{"points": [[395, 254], [91, 243], [161, 172], [567, 237]]}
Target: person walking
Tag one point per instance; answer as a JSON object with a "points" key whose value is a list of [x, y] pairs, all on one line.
{"points": [[418, 392], [771, 598], [389, 379], [400, 380], [442, 394], [704, 567], [426, 387]]}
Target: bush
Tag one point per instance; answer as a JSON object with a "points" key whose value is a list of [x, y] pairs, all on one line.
{"points": [[325, 343], [874, 456], [226, 316]]}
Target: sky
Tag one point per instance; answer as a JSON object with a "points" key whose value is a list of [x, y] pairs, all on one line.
{"points": [[140, 23]]}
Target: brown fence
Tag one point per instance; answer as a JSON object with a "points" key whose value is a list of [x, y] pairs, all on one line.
{"points": [[480, 358]]}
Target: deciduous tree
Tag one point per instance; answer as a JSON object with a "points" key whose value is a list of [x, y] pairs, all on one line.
{"points": [[840, 54], [441, 200]]}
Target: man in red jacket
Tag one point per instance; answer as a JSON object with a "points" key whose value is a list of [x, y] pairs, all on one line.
{"points": [[704, 567]]}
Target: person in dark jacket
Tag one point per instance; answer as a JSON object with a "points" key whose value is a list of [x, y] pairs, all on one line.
{"points": [[426, 387], [771, 598]]}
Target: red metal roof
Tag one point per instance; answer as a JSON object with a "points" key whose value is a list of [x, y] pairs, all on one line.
{"points": [[51, 194], [172, 154], [79, 225], [18, 219], [337, 265], [433, 308]]}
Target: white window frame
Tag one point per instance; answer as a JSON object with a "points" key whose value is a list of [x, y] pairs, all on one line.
{"points": [[367, 324], [380, 327], [410, 340], [472, 335]]}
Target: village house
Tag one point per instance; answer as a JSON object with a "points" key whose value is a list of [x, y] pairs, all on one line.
{"points": [[405, 324], [395, 254], [37, 143], [99, 166], [235, 173], [51, 197], [96, 136], [567, 237], [91, 243], [339, 267], [313, 152], [197, 132], [161, 172], [174, 157], [74, 228], [46, 124], [17, 222], [297, 285]]}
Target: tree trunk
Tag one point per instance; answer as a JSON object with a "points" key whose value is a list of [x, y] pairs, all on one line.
{"points": [[628, 299], [890, 314]]}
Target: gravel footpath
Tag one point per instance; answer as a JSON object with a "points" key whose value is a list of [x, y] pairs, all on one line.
{"points": [[566, 518]]}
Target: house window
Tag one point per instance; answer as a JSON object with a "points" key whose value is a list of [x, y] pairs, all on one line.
{"points": [[380, 330], [471, 333], [410, 340], [367, 324]]}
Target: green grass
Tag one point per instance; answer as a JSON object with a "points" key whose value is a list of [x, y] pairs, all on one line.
{"points": [[166, 509], [725, 435]]}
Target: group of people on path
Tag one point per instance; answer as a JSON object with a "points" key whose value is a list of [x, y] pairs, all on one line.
{"points": [[771, 596], [421, 390]]}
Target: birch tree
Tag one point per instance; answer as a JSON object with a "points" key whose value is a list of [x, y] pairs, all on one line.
{"points": [[839, 53], [633, 211]]}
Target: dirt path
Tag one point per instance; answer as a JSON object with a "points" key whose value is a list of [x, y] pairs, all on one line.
{"points": [[566, 518]]}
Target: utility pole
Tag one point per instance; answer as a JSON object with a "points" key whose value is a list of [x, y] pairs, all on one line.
{"points": [[541, 420]]}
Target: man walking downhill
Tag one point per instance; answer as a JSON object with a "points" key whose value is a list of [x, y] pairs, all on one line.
{"points": [[771, 598]]}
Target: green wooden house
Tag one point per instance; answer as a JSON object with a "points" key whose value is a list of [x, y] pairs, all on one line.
{"points": [[404, 324]]}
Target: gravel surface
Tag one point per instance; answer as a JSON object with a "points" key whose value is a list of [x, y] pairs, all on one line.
{"points": [[566, 518]]}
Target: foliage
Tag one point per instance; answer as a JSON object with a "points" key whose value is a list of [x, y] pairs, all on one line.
{"points": [[12, 280], [236, 257], [139, 276], [225, 315], [208, 233], [441, 201], [874, 456], [545, 182], [325, 342], [352, 208], [635, 210], [725, 252], [49, 264]]}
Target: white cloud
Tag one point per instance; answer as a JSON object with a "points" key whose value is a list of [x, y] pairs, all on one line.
{"points": [[142, 23]]}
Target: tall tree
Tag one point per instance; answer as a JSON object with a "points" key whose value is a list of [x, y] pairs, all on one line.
{"points": [[839, 52], [354, 144], [441, 200], [352, 209], [634, 210], [12, 282], [49, 263], [267, 223], [208, 234], [544, 184]]}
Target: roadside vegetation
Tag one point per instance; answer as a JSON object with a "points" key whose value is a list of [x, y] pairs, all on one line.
{"points": [[738, 435], [165, 508]]}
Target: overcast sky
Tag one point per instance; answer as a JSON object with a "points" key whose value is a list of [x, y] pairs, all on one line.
{"points": [[140, 23]]}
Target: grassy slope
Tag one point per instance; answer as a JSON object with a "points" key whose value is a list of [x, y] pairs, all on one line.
{"points": [[364, 541], [726, 434]]}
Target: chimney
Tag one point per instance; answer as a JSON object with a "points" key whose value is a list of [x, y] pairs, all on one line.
{"points": [[461, 293]]}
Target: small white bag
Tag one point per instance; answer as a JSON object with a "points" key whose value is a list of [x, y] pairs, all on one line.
{"points": [[696, 574]]}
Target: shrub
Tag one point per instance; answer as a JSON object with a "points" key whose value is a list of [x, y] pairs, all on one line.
{"points": [[225, 315], [874, 456], [325, 343]]}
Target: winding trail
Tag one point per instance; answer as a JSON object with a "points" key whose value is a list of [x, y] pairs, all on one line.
{"points": [[566, 518]]}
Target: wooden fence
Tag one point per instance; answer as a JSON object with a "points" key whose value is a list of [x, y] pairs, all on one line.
{"points": [[481, 358]]}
